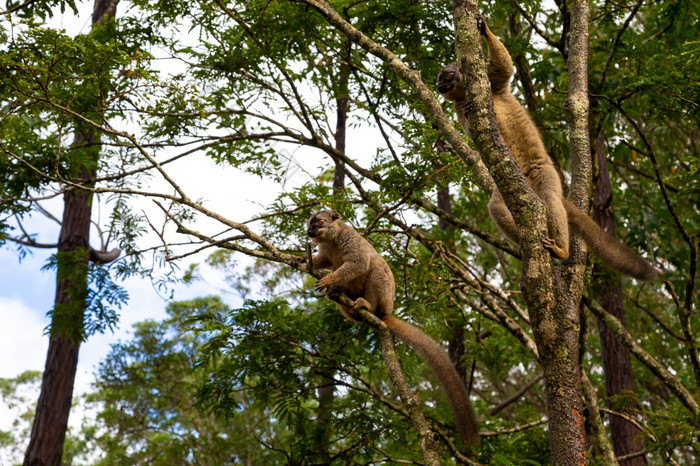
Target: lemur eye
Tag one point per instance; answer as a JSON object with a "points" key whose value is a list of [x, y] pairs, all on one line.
{"points": [[450, 75], [321, 222]]}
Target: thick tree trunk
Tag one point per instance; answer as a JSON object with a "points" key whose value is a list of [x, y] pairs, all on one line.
{"points": [[51, 417], [553, 314], [53, 408], [616, 359]]}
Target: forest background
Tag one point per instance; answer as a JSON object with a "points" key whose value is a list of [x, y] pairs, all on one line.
{"points": [[128, 116]]}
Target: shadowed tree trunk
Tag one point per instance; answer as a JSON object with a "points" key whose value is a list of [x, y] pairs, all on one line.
{"points": [[456, 348], [53, 408], [326, 391], [616, 359], [340, 130]]}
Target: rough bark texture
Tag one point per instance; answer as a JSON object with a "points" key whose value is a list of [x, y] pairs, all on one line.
{"points": [[568, 444], [53, 408], [616, 359], [554, 327]]}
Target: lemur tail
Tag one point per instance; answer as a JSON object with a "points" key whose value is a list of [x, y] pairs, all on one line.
{"points": [[611, 250], [451, 382]]}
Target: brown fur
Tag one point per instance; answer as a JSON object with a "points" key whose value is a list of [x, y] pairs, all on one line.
{"points": [[525, 143], [366, 278]]}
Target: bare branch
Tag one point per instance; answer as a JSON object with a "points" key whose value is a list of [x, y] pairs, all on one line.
{"points": [[514, 397], [413, 79], [663, 374], [514, 429]]}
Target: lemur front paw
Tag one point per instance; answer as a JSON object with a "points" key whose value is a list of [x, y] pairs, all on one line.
{"points": [[325, 285], [296, 261], [554, 249]]}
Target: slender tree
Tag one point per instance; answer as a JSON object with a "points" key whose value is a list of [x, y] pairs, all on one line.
{"points": [[68, 316], [261, 77], [619, 379]]}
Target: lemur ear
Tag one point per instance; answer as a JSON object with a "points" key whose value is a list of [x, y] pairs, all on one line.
{"points": [[334, 215]]}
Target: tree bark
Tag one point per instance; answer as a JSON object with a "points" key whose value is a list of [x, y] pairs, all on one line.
{"points": [[53, 408], [616, 359], [67, 331], [326, 392], [51, 418], [552, 315], [340, 130], [568, 441], [456, 349]]}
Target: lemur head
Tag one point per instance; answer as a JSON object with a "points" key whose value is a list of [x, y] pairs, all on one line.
{"points": [[321, 225], [449, 83]]}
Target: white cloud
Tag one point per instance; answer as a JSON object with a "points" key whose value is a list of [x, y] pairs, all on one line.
{"points": [[22, 342]]}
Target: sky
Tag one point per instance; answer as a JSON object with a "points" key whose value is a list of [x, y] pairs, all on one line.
{"points": [[27, 292]]}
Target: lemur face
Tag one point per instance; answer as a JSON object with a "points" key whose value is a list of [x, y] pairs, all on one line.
{"points": [[449, 82], [319, 222]]}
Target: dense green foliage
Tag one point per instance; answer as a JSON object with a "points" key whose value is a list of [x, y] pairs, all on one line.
{"points": [[253, 85]]}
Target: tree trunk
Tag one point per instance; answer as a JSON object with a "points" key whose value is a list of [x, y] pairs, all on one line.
{"points": [[616, 359], [53, 408], [456, 348], [51, 418], [340, 130], [326, 392], [553, 316]]}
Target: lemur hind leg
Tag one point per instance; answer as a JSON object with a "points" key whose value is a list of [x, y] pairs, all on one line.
{"points": [[502, 216], [558, 242], [547, 185]]}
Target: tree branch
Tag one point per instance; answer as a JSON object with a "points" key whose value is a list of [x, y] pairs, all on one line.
{"points": [[514, 397], [647, 359], [427, 438], [413, 79]]}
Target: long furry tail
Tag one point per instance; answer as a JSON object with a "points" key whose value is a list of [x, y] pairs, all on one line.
{"points": [[616, 255], [452, 384]]}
